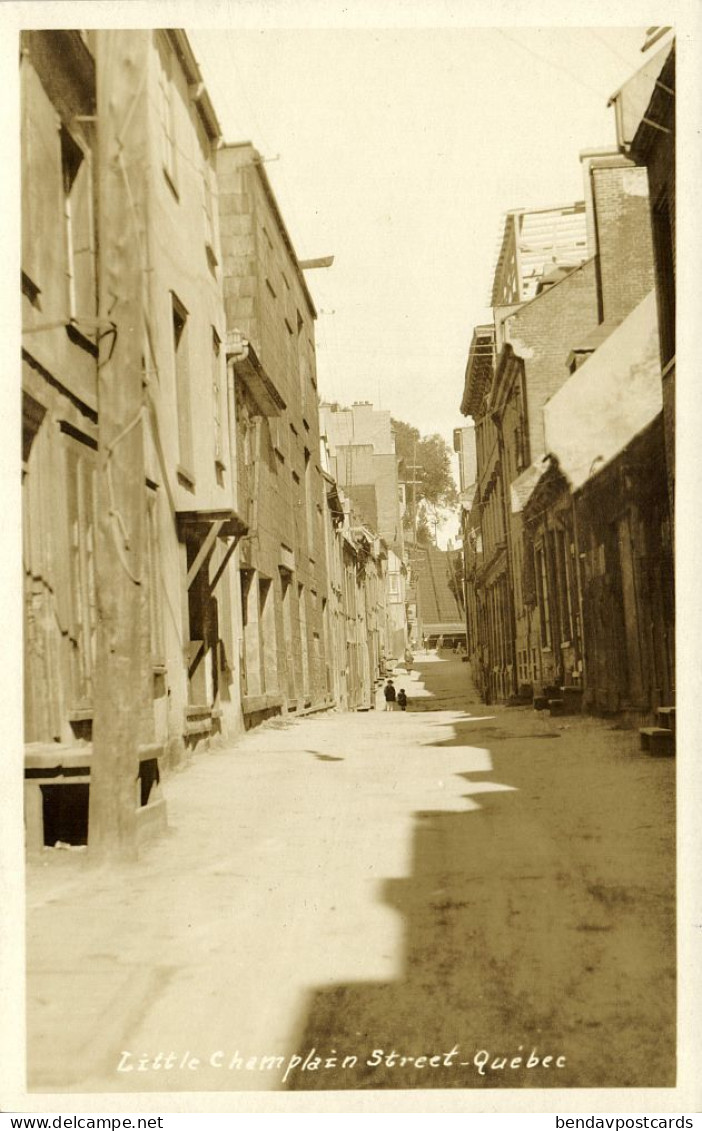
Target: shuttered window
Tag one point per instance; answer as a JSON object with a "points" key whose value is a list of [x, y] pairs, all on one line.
{"points": [[182, 384], [217, 397], [82, 525], [153, 558], [542, 596], [79, 227], [167, 115]]}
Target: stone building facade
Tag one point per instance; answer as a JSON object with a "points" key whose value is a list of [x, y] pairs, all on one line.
{"points": [[530, 632], [530, 368], [285, 646], [59, 383], [190, 442], [490, 636], [362, 458], [189, 687], [606, 488]]}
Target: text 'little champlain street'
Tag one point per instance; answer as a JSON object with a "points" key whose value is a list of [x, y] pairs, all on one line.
{"points": [[482, 1061]]}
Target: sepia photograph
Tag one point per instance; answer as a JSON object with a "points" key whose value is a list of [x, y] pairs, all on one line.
{"points": [[348, 390]]}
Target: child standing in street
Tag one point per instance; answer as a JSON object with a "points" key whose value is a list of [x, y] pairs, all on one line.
{"points": [[389, 693], [402, 699]]}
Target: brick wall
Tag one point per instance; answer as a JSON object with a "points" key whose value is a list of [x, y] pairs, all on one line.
{"points": [[543, 332], [625, 250]]}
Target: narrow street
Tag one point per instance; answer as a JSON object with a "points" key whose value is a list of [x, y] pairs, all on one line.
{"points": [[456, 877]]}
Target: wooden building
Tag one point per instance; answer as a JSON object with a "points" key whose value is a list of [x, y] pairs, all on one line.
{"points": [[645, 117], [602, 513], [186, 656]]}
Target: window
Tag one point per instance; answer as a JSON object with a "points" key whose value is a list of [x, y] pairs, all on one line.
{"points": [[309, 504], [182, 382], [302, 614], [208, 210], [167, 114], [153, 558], [79, 229], [267, 635], [542, 595], [520, 448], [217, 397], [81, 507], [564, 599]]}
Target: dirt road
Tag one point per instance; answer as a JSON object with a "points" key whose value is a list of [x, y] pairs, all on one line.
{"points": [[442, 897]]}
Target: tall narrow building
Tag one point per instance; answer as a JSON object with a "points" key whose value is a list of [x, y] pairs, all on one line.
{"points": [[285, 647]]}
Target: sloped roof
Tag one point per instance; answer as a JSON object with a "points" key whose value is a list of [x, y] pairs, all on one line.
{"points": [[593, 340], [556, 273], [632, 99], [609, 400], [524, 486]]}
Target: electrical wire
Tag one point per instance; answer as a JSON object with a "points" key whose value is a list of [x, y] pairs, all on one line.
{"points": [[550, 63], [632, 64]]}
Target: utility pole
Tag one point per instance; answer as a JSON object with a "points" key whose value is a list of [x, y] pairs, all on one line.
{"points": [[121, 62], [414, 482], [415, 467]]}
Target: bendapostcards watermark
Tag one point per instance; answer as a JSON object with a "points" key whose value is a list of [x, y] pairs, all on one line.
{"points": [[483, 1062]]}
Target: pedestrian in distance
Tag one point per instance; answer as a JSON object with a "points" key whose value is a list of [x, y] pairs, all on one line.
{"points": [[389, 693], [402, 699]]}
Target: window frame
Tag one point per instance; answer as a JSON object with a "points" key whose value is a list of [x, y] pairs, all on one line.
{"points": [[169, 141], [181, 377], [73, 146]]}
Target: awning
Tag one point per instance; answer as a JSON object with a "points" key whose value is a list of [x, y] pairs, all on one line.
{"points": [[609, 400], [249, 369], [194, 522], [205, 527]]}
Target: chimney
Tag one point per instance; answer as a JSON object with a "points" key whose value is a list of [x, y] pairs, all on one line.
{"points": [[616, 193]]}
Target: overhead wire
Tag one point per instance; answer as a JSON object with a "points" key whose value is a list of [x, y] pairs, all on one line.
{"points": [[550, 63], [633, 64]]}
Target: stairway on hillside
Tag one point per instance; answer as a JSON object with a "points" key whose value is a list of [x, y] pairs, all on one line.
{"points": [[437, 603]]}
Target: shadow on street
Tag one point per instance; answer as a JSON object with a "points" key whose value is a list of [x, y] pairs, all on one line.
{"points": [[538, 924]]}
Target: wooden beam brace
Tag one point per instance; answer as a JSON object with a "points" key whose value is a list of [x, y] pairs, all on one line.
{"points": [[656, 125], [204, 551], [224, 563]]}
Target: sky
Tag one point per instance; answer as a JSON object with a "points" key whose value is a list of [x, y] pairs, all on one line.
{"points": [[398, 151]]}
